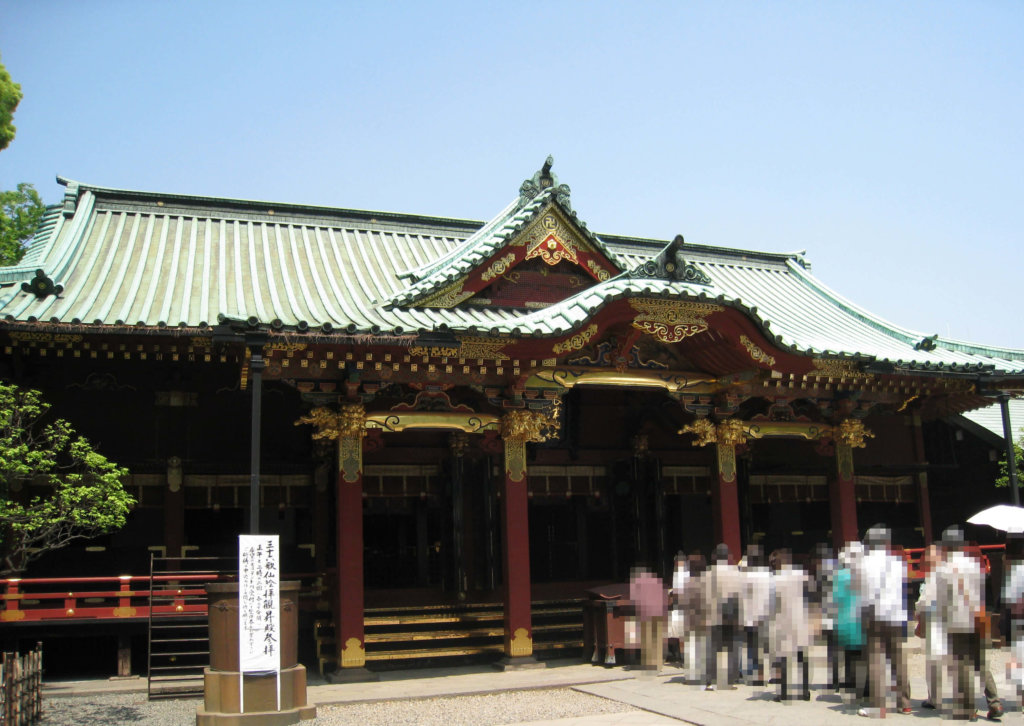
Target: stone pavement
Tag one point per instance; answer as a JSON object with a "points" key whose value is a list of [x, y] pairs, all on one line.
{"points": [[670, 694], [655, 700]]}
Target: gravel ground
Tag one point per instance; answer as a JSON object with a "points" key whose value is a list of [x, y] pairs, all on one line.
{"points": [[494, 709], [115, 709]]}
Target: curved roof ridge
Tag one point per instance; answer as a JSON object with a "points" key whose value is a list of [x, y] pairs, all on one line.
{"points": [[900, 333], [477, 239], [962, 346], [616, 288], [296, 207], [904, 335]]}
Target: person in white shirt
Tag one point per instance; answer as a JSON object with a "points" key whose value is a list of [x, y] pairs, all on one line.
{"points": [[677, 620], [884, 612], [960, 598], [755, 606], [1013, 598], [932, 628], [823, 570], [722, 590], [790, 629]]}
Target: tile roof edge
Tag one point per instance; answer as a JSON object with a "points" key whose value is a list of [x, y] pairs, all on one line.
{"points": [[904, 335], [475, 239], [657, 245], [236, 203]]}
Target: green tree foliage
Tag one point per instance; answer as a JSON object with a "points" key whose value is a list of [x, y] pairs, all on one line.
{"points": [[20, 213], [21, 209], [54, 487], [10, 97], [1004, 469]]}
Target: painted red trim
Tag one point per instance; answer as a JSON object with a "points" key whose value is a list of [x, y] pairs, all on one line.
{"points": [[349, 593], [516, 552]]}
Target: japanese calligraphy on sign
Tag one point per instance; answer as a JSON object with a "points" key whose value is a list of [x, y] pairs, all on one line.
{"points": [[259, 603]]}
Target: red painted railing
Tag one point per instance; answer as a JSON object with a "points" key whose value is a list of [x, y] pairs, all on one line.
{"points": [[913, 557], [123, 596], [86, 598]]}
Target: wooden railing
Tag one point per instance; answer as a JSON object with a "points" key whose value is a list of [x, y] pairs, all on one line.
{"points": [[124, 596], [982, 552], [21, 687]]}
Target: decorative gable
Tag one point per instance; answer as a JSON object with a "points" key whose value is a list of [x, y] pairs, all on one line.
{"points": [[552, 238], [540, 226]]}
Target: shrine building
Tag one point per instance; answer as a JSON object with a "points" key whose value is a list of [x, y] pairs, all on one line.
{"points": [[456, 411]]}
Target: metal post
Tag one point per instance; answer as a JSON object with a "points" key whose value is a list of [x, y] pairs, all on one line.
{"points": [[256, 365], [1011, 459]]}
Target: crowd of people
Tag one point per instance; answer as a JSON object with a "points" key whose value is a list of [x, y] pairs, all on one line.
{"points": [[766, 612]]}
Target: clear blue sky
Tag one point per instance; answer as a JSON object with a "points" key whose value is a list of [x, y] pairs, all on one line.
{"points": [[885, 138]]}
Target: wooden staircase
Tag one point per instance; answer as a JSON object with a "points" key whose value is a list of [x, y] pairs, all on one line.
{"points": [[179, 639], [420, 635]]}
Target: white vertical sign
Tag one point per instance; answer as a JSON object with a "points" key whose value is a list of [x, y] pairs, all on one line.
{"points": [[259, 604]]}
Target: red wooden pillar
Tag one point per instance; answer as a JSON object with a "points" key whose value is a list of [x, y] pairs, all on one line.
{"points": [[515, 541], [842, 498], [349, 631], [725, 503], [517, 428], [348, 426]]}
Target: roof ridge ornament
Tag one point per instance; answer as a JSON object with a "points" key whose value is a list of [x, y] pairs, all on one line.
{"points": [[70, 201], [544, 179], [671, 264], [41, 286]]}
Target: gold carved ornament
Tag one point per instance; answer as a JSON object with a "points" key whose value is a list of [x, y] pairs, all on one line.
{"points": [[348, 426], [671, 321], [353, 655], [727, 436], [434, 351], [852, 432], [520, 427], [489, 348], [703, 429], [285, 347], [33, 337], [756, 353], [731, 432], [521, 644], [447, 297], [575, 342], [837, 368], [599, 272], [352, 429], [552, 250], [498, 267], [325, 420], [551, 240]]}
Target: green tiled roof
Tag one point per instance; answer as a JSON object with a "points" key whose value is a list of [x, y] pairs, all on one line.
{"points": [[991, 418], [143, 260], [490, 239]]}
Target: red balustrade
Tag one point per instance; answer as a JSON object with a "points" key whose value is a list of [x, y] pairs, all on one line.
{"points": [[117, 597]]}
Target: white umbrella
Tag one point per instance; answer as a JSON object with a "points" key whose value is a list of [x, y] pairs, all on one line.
{"points": [[1002, 516]]}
